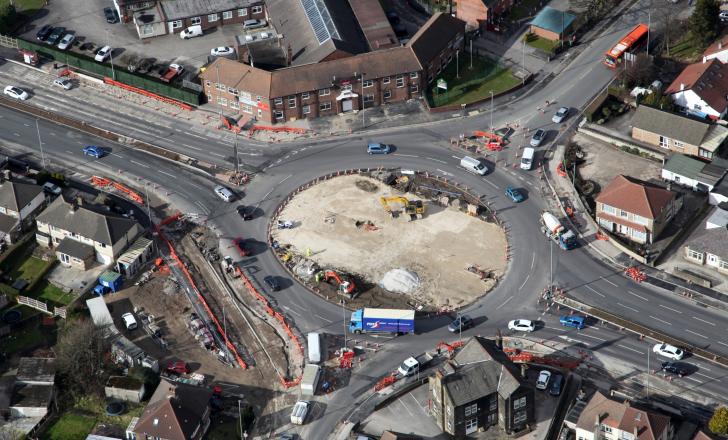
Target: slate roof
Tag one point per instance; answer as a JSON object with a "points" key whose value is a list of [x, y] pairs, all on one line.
{"points": [[75, 248], [713, 241], [706, 173], [721, 188], [33, 369], [16, 195], [374, 24], [179, 9], [90, 222], [32, 396], [670, 125], [707, 80], [7, 222], [434, 36], [635, 196], [649, 425], [177, 408], [553, 20]]}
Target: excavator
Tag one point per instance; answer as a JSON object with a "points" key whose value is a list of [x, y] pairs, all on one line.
{"points": [[414, 209], [344, 286]]}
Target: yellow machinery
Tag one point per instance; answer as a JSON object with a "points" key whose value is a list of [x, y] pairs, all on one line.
{"points": [[414, 208]]}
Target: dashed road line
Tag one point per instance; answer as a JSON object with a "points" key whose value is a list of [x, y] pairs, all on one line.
{"points": [[292, 311], [595, 291], [694, 379], [593, 337], [216, 154], [638, 296], [405, 155], [140, 164], [167, 174], [504, 302], [661, 320], [696, 334], [491, 183], [722, 343], [670, 309], [711, 378], [435, 160], [286, 178], [630, 348], [628, 307], [702, 320], [609, 281], [321, 317], [533, 260]]}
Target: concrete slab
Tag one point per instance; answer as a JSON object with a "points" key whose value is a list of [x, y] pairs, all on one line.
{"points": [[74, 280]]}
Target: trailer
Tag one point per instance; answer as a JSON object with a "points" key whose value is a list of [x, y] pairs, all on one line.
{"points": [[553, 229], [309, 381], [394, 321]]}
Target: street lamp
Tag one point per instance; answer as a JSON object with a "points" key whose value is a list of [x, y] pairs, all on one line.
{"points": [[363, 102], [491, 111], [40, 144], [343, 312], [111, 56]]}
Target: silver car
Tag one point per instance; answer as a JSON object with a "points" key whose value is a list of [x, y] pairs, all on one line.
{"points": [[538, 137], [65, 83], [561, 115], [67, 41]]}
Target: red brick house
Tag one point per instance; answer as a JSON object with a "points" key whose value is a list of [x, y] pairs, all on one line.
{"points": [[477, 13]]}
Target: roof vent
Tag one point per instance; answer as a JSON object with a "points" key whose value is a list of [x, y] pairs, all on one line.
{"points": [[638, 416], [155, 422]]}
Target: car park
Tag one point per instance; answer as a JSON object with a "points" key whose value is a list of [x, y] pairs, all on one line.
{"points": [[44, 33], [129, 321], [16, 93], [522, 325], [560, 115], [462, 322], [377, 148], [222, 51], [111, 15], [675, 368], [543, 380], [668, 351], [271, 282], [64, 83], [514, 194], [246, 212], [94, 151], [575, 321], [538, 137], [67, 41], [557, 381], [55, 35], [103, 53]]}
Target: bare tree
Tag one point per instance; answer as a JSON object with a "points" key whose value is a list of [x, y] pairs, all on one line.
{"points": [[638, 72], [81, 350]]}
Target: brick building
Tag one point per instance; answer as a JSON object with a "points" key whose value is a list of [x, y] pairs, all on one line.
{"points": [[479, 13]]}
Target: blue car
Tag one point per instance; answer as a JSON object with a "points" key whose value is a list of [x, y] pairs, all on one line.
{"points": [[514, 194], [578, 322], [376, 148], [94, 151]]}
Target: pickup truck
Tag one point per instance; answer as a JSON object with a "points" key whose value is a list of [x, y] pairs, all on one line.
{"points": [[172, 71], [412, 365]]}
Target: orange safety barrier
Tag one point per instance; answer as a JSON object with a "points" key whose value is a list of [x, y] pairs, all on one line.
{"points": [[170, 219], [387, 381], [100, 181], [148, 94], [492, 137], [104, 182], [602, 236], [229, 125]]}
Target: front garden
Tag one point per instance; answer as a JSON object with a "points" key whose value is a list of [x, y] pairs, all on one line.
{"points": [[466, 85]]}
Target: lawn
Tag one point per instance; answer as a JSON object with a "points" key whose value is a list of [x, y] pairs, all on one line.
{"points": [[27, 336], [27, 6], [47, 292], [685, 49], [543, 44], [473, 84], [223, 428], [70, 426]]}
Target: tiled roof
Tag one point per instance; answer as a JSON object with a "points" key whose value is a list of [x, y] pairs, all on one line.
{"points": [[14, 195], [553, 20], [600, 409], [707, 80], [179, 9], [373, 22], [717, 46], [75, 249], [684, 166], [174, 411], [434, 36], [634, 196], [713, 241], [648, 425], [670, 125]]}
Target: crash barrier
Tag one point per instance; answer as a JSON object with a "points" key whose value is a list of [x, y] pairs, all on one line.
{"points": [[270, 311], [104, 182], [182, 267], [143, 92], [119, 73]]}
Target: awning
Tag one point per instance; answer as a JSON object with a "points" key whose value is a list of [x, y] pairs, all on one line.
{"points": [[346, 94]]}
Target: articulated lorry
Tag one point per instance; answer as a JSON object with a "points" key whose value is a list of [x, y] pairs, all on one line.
{"points": [[553, 229], [382, 321]]}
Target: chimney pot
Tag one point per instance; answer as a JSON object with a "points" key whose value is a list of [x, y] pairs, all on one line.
{"points": [[682, 87]]}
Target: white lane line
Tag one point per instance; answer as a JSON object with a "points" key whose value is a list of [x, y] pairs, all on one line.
{"points": [[119, 156], [405, 155], [533, 260], [561, 329], [321, 317], [630, 348], [661, 320], [195, 135], [167, 174], [702, 320], [69, 151], [609, 281], [405, 407], [286, 178], [628, 307], [52, 133], [504, 302], [638, 296], [194, 148], [436, 160], [292, 311], [696, 334], [266, 196], [27, 125], [593, 337], [711, 378], [722, 343], [592, 289], [195, 185], [17, 134], [491, 184], [216, 154], [694, 379], [455, 157], [140, 164], [670, 309]]}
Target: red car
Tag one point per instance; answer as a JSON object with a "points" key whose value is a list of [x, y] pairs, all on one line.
{"points": [[178, 367]]}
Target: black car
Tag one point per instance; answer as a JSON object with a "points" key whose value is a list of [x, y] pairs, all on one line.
{"points": [[675, 368], [272, 283], [555, 386], [246, 212], [111, 15], [44, 33], [393, 17], [462, 322], [56, 35]]}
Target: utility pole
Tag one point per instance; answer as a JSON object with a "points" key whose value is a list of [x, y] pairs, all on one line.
{"points": [[217, 89], [111, 56], [149, 204], [240, 420], [235, 152], [343, 312], [551, 264], [649, 22], [40, 144], [471, 54], [460, 325], [523, 61], [491, 111], [363, 103], [648, 372], [457, 64]]}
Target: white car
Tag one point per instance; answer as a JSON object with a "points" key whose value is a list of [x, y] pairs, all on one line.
{"points": [[543, 380], [668, 351], [67, 41], [522, 325], [16, 93], [103, 54], [63, 82], [129, 321], [222, 51], [723, 15], [560, 115]]}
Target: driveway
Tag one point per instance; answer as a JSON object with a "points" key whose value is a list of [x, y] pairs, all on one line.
{"points": [[86, 18]]}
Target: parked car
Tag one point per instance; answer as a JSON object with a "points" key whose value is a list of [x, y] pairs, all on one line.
{"points": [[272, 283], [377, 148], [556, 382], [538, 137], [103, 53], [55, 35], [44, 33], [543, 380], [462, 322], [668, 351], [675, 368], [514, 194], [51, 188], [16, 93], [245, 212], [576, 321], [253, 24], [129, 321], [178, 367], [222, 51], [522, 325], [393, 17], [111, 15], [723, 16], [67, 41], [94, 151], [64, 83], [560, 115]]}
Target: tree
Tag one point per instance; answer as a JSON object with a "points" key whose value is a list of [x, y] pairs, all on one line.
{"points": [[81, 349], [704, 21], [657, 100], [638, 72], [718, 424], [8, 18]]}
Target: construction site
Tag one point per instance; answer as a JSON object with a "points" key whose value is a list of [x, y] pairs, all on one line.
{"points": [[387, 239]]}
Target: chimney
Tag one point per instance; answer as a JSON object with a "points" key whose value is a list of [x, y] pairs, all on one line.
{"points": [[78, 201], [682, 87], [289, 55]]}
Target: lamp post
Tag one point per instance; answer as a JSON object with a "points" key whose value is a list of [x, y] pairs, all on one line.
{"points": [[217, 88], [40, 144], [523, 60], [343, 312], [363, 102], [111, 56], [491, 111]]}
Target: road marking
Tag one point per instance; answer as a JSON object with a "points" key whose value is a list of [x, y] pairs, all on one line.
{"points": [[52, 133], [561, 329], [455, 157], [630, 349], [216, 154], [69, 151], [292, 311], [114, 154], [140, 164], [694, 379], [592, 289], [491, 184], [266, 196], [194, 148], [405, 407], [638, 296], [593, 337], [722, 343], [436, 160], [27, 125], [167, 174], [661, 320], [504, 303], [195, 135], [627, 307], [696, 334], [195, 185], [702, 320], [286, 178], [529, 271], [670, 309], [405, 155], [711, 378], [444, 172], [609, 281], [570, 339], [17, 134], [321, 317]]}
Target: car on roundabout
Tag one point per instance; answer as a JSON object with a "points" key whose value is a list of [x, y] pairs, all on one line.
{"points": [[514, 194], [522, 325], [560, 115], [668, 351], [377, 148], [538, 137], [462, 322]]}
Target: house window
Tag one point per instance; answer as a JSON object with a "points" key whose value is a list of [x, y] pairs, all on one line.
{"points": [[639, 219], [247, 109], [213, 17], [292, 102], [413, 75], [324, 92], [227, 15], [306, 109], [222, 101], [176, 24], [723, 264], [243, 12], [471, 425], [368, 83], [471, 410], [195, 20], [234, 105], [400, 80], [623, 213], [257, 9], [385, 80], [233, 91], [664, 142], [678, 144], [278, 114], [387, 94], [414, 88], [519, 417], [346, 87], [304, 96], [368, 98], [220, 86], [519, 403], [605, 428], [695, 255], [493, 404], [639, 236], [705, 154], [325, 106], [278, 101], [609, 209]]}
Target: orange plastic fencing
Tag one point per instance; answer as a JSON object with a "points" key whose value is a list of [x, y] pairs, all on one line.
{"points": [[148, 94], [170, 219], [104, 182]]}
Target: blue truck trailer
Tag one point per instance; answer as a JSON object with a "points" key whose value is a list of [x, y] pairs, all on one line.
{"points": [[382, 321]]}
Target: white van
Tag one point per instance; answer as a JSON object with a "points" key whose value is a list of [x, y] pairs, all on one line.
{"points": [[527, 158], [224, 193], [300, 410], [473, 165], [192, 31], [314, 348]]}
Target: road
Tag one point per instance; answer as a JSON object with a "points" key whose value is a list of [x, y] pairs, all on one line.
{"points": [[533, 262]]}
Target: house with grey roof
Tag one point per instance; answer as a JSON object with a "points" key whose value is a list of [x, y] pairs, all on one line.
{"points": [[20, 202], [708, 245], [479, 389], [678, 133], [692, 173], [33, 391], [82, 233]]}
